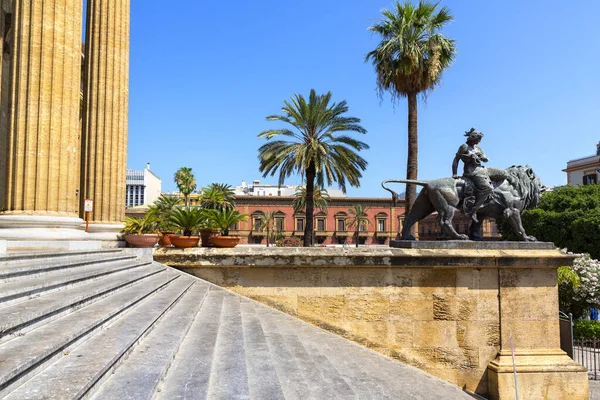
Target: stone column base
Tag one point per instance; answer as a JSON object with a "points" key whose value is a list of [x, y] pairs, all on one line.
{"points": [[109, 234], [541, 374], [24, 232], [40, 227]]}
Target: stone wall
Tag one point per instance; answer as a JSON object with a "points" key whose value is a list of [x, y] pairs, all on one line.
{"points": [[449, 312]]}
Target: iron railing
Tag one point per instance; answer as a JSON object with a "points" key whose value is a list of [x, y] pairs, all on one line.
{"points": [[587, 353]]}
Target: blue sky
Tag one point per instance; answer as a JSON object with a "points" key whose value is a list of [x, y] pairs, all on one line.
{"points": [[204, 75]]}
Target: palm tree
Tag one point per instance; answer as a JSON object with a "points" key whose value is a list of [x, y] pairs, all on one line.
{"points": [[187, 219], [409, 61], [224, 219], [186, 182], [162, 208], [321, 197], [358, 219], [218, 196], [266, 222], [314, 148]]}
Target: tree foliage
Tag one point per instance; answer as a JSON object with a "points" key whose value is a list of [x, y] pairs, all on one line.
{"points": [[321, 197], [314, 146], [186, 182], [409, 60], [358, 218], [219, 196], [568, 216]]}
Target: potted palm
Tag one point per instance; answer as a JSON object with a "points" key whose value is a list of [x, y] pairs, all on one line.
{"points": [[224, 219], [162, 209], [216, 196], [141, 232], [186, 220]]}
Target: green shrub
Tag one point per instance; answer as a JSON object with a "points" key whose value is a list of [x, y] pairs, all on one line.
{"points": [[583, 329], [568, 216]]}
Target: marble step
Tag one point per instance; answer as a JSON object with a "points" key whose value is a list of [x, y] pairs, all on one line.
{"points": [[144, 368], [23, 355], [228, 375], [19, 289], [189, 374], [21, 317], [263, 381], [24, 261], [294, 383], [8, 274], [85, 367]]}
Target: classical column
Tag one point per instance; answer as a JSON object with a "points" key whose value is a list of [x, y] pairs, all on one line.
{"points": [[106, 93], [41, 174]]}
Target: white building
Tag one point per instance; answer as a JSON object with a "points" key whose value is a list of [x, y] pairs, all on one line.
{"points": [[585, 170], [264, 189], [142, 187]]}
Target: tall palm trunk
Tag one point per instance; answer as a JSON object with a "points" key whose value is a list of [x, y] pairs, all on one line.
{"points": [[356, 234], [268, 235], [310, 204], [413, 151], [187, 199]]}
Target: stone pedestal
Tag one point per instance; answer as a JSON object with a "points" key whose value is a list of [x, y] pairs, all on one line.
{"points": [[528, 309], [541, 374], [446, 308]]}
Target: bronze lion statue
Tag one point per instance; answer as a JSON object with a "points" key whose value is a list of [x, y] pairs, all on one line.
{"points": [[520, 190]]}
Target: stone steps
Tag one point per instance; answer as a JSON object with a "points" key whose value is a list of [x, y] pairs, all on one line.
{"points": [[18, 318], [24, 355], [30, 263], [25, 286], [151, 332]]}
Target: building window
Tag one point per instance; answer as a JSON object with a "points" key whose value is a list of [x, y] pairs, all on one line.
{"points": [[381, 225], [257, 239], [363, 226], [590, 179], [341, 225], [300, 224], [256, 226], [279, 224], [234, 227], [381, 240], [321, 224]]}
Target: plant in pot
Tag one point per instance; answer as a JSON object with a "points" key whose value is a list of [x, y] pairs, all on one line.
{"points": [[216, 196], [141, 232], [162, 209], [224, 219], [186, 220]]}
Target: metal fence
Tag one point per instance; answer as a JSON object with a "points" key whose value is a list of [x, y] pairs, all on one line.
{"points": [[587, 353]]}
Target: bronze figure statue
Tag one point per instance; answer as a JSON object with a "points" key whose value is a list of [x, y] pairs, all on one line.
{"points": [[481, 192]]}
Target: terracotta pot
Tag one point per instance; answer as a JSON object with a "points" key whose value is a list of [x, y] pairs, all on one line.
{"points": [[184, 241], [207, 235], [145, 240], [225, 241], [165, 239]]}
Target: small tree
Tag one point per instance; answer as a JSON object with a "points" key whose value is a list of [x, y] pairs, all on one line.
{"points": [[186, 182], [358, 219], [266, 223], [579, 286]]}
